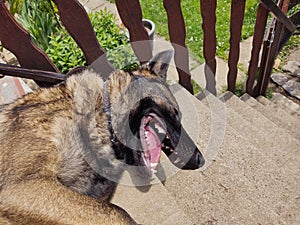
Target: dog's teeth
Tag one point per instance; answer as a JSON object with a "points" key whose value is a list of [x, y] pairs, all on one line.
{"points": [[159, 128], [153, 171], [153, 165], [177, 160]]}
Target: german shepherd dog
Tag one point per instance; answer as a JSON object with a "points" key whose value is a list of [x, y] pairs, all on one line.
{"points": [[63, 149]]}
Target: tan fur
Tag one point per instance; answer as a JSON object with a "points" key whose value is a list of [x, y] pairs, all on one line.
{"points": [[63, 149], [43, 177]]}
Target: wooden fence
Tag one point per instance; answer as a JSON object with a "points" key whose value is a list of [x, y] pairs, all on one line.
{"points": [[36, 64]]}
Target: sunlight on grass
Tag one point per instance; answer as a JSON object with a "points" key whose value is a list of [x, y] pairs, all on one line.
{"points": [[191, 10]]}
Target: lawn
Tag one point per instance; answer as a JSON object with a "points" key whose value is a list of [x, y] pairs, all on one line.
{"points": [[154, 10]]}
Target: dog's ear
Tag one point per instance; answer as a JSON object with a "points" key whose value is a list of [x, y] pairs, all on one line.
{"points": [[159, 64]]}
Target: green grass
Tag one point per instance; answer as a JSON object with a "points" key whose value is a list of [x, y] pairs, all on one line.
{"points": [[154, 10], [292, 44]]}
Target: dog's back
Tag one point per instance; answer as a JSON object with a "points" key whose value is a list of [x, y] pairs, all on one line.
{"points": [[26, 129], [41, 161]]}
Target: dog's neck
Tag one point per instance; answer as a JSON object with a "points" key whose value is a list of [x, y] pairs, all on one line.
{"points": [[112, 87], [107, 108]]}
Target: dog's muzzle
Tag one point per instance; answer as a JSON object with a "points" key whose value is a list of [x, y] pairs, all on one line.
{"points": [[178, 146], [186, 155]]}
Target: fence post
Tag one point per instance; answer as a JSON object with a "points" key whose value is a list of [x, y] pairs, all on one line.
{"points": [[131, 15], [208, 13], [177, 34], [17, 40], [83, 33], [259, 29], [236, 23]]}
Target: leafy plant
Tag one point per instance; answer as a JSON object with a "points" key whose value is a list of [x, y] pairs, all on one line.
{"points": [[239, 88], [196, 87], [15, 6], [108, 33], [123, 57], [39, 18], [269, 93], [65, 53]]}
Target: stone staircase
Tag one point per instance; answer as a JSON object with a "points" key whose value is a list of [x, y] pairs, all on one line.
{"points": [[252, 150]]}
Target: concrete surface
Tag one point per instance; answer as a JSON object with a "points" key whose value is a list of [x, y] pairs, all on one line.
{"points": [[11, 88], [252, 171], [284, 102]]}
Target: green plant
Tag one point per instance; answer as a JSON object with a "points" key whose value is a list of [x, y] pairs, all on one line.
{"points": [[39, 18], [293, 43], [65, 53], [123, 57], [15, 6], [196, 87], [239, 88], [269, 93], [108, 33]]}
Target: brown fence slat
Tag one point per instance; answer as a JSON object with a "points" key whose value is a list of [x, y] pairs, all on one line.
{"points": [[264, 75], [259, 30], [70, 11], [78, 24], [17, 40], [271, 50], [38, 75], [280, 16], [236, 23], [264, 58], [177, 34], [131, 15], [286, 34], [208, 13]]}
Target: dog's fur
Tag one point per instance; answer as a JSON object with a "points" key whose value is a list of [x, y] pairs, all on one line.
{"points": [[57, 149]]}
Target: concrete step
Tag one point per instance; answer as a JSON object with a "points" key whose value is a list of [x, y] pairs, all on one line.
{"points": [[260, 125], [287, 104], [222, 193], [149, 205], [12, 88], [263, 100], [277, 152], [239, 182], [276, 114], [94, 6]]}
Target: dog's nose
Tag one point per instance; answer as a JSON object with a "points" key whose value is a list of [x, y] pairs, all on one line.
{"points": [[195, 162], [200, 159]]}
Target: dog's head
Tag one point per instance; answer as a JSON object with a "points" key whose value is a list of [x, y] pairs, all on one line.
{"points": [[146, 118]]}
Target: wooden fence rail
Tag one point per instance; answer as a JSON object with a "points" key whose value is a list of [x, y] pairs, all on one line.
{"points": [[17, 40]]}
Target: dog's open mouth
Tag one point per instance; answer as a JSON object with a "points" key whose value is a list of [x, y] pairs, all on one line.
{"points": [[154, 137]]}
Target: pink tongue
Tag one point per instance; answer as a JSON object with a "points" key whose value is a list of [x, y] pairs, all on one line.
{"points": [[153, 143]]}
